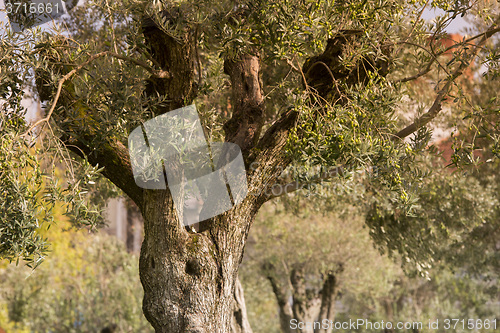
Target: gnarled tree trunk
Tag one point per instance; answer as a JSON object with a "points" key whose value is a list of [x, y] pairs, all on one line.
{"points": [[190, 277], [301, 301]]}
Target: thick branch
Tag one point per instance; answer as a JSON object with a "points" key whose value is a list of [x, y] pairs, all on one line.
{"points": [[175, 56], [268, 163], [436, 105], [247, 101], [114, 157]]}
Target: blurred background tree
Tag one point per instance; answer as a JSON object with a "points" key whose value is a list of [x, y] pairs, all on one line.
{"points": [[318, 261], [310, 258]]}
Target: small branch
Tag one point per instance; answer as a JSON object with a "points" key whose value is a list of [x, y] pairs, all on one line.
{"points": [[197, 56], [279, 190], [436, 106], [160, 74], [435, 56], [114, 157], [147, 55], [413, 26]]}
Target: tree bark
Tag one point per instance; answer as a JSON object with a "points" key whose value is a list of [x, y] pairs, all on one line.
{"points": [[189, 278]]}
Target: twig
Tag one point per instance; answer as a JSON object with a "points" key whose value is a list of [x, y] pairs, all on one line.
{"points": [[434, 58], [160, 74], [416, 21], [436, 55], [278, 190], [147, 55], [197, 56], [436, 106]]}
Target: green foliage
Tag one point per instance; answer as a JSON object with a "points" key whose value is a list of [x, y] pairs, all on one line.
{"points": [[31, 180], [28, 195], [22, 212], [87, 283]]}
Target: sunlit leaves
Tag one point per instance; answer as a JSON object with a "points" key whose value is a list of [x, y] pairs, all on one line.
{"points": [[21, 211]]}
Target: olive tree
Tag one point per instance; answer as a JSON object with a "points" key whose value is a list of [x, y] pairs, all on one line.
{"points": [[312, 84]]}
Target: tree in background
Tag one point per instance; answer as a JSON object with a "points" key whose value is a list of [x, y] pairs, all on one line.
{"points": [[313, 84], [89, 282], [311, 257]]}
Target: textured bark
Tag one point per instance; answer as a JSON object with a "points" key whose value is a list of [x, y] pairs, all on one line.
{"points": [[177, 271], [247, 99], [175, 57], [189, 278], [187, 287]]}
